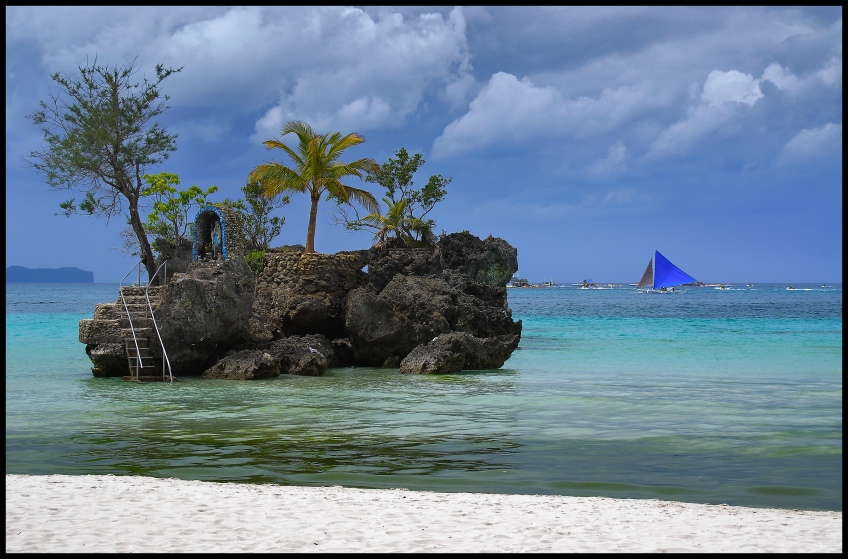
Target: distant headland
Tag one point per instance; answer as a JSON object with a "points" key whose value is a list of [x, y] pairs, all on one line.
{"points": [[19, 274]]}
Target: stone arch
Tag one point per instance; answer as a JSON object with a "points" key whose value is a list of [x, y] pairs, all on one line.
{"points": [[217, 233]]}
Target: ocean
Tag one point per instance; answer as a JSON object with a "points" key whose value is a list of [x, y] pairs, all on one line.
{"points": [[719, 396]]}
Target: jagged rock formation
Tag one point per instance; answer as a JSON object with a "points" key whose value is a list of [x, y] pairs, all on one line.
{"points": [[430, 310], [457, 351], [206, 313]]}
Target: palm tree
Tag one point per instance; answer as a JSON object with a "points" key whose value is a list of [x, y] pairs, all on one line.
{"points": [[389, 225], [316, 171], [398, 225]]}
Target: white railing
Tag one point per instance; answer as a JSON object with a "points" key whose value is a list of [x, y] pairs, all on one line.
{"points": [[165, 360], [129, 316]]}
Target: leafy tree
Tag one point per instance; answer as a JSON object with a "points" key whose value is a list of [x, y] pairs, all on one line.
{"points": [[316, 171], [259, 226], [100, 137], [405, 220], [169, 217]]}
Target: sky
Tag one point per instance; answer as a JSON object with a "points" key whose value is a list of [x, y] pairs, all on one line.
{"points": [[585, 137]]}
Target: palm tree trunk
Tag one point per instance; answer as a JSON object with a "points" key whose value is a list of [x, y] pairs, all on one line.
{"points": [[310, 232]]}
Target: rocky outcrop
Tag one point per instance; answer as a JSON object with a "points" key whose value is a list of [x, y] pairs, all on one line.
{"points": [[296, 355], [301, 294], [303, 355], [205, 313], [457, 351], [177, 256], [424, 311], [410, 311], [245, 365]]}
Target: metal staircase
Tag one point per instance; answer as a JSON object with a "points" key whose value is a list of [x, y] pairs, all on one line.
{"points": [[139, 357], [138, 325]]}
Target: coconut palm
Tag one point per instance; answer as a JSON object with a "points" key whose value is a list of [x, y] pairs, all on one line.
{"points": [[316, 170], [389, 225], [396, 224]]}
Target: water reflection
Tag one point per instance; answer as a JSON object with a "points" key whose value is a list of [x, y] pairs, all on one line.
{"points": [[364, 424]]}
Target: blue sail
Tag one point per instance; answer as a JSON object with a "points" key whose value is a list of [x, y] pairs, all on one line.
{"points": [[667, 274]]}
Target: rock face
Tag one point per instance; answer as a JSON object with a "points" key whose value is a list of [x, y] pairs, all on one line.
{"points": [[423, 311], [457, 351], [206, 313]]}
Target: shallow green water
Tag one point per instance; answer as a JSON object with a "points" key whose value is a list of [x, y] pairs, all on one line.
{"points": [[705, 396]]}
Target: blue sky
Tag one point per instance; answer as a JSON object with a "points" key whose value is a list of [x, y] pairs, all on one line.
{"points": [[586, 137]]}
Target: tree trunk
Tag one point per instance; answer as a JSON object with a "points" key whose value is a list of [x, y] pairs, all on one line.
{"points": [[310, 232], [146, 252]]}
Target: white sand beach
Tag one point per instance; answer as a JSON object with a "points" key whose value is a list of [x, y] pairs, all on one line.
{"points": [[104, 513]]}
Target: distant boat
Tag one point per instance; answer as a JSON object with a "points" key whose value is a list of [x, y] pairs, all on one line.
{"points": [[662, 274]]}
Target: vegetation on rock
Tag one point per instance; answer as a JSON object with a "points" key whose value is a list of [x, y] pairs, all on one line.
{"points": [[255, 261], [169, 217], [255, 211], [405, 221]]}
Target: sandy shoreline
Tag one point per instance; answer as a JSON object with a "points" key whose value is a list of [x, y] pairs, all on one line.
{"points": [[100, 513]]}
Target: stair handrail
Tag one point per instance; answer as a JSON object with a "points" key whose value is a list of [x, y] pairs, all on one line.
{"points": [[165, 360], [129, 317]]}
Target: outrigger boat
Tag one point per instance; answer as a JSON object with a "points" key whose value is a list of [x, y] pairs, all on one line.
{"points": [[661, 274]]}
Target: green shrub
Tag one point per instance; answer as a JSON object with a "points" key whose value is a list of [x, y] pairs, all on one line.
{"points": [[256, 261]]}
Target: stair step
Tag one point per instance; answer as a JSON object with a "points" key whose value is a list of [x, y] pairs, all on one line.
{"points": [[140, 291], [135, 315], [137, 324], [142, 313], [144, 365], [140, 332], [137, 327], [136, 301]]}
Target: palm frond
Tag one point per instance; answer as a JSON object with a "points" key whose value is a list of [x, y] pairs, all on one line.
{"points": [[276, 179], [339, 144], [272, 144], [363, 197]]}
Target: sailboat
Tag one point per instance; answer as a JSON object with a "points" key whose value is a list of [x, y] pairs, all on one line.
{"points": [[661, 274]]}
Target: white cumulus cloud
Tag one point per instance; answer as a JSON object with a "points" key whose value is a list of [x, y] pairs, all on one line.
{"points": [[782, 78], [507, 108], [728, 87], [813, 143], [370, 72], [510, 111]]}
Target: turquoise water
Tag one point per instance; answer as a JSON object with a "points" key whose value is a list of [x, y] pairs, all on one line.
{"points": [[708, 396]]}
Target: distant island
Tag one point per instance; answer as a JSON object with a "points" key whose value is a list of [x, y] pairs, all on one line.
{"points": [[19, 274]]}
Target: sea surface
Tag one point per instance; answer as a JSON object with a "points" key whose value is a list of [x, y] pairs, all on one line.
{"points": [[708, 395]]}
